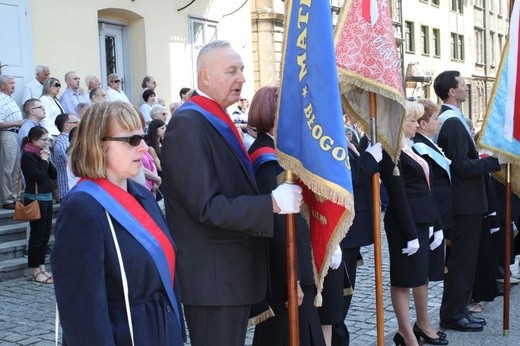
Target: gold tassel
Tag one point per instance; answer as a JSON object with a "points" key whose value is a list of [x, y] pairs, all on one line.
{"points": [[318, 300], [261, 317], [396, 171], [348, 291]]}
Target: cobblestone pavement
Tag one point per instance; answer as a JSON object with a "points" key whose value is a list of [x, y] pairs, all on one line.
{"points": [[27, 312]]}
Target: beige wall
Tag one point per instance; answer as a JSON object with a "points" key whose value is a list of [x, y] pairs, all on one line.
{"points": [[66, 37]]}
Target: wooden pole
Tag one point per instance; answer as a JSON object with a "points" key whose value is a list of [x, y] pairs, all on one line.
{"points": [[507, 234], [376, 203], [292, 272], [507, 250]]}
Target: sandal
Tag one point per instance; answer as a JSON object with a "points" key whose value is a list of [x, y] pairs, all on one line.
{"points": [[47, 274], [47, 280]]}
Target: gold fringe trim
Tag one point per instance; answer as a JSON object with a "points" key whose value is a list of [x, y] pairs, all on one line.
{"points": [[348, 291], [253, 321]]}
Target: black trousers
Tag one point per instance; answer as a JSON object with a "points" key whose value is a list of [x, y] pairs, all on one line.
{"points": [[217, 325], [39, 234], [340, 333], [458, 283]]}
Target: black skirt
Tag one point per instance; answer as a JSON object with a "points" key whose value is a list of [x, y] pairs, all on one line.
{"points": [[407, 271]]}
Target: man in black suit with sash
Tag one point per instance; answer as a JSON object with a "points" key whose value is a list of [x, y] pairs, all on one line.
{"points": [[213, 207], [469, 202]]}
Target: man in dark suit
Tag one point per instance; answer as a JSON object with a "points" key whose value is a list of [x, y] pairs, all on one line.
{"points": [[469, 202], [214, 210]]}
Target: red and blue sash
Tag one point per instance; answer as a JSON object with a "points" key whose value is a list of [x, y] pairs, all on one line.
{"points": [[135, 219], [263, 155], [221, 121]]}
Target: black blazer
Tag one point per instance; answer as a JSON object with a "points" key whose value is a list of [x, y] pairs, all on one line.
{"points": [[215, 214], [266, 179], [467, 169], [441, 183], [361, 232], [410, 200]]}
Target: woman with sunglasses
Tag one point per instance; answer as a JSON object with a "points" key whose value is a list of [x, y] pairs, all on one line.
{"points": [[114, 92], [114, 259], [38, 172], [49, 99]]}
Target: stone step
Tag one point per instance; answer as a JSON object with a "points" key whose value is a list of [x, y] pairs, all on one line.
{"points": [[15, 231], [16, 248], [16, 267]]}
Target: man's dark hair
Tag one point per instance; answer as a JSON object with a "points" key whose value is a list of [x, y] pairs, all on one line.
{"points": [[183, 91], [444, 82], [61, 120], [28, 105]]}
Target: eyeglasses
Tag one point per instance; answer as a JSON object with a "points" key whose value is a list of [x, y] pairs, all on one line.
{"points": [[57, 85], [243, 99], [44, 139], [41, 107], [116, 81], [134, 140]]}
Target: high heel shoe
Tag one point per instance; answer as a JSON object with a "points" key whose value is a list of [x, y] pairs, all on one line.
{"points": [[399, 340], [420, 334]]}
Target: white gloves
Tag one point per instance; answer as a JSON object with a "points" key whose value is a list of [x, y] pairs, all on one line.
{"points": [[501, 160], [288, 197], [376, 151], [430, 232], [411, 247], [335, 261], [438, 236]]}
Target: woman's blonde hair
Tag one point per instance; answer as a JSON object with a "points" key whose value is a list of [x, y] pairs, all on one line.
{"points": [[413, 110], [87, 157]]}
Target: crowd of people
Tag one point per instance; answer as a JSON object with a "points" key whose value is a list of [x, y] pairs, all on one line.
{"points": [[126, 273]]}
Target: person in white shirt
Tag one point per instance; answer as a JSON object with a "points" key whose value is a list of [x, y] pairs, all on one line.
{"points": [[53, 107], [33, 89], [113, 92]]}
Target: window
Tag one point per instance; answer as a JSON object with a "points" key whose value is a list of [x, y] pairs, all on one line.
{"points": [[479, 46], [457, 6], [479, 3], [425, 40], [457, 47], [435, 2], [436, 42], [409, 37], [396, 11], [202, 31]]}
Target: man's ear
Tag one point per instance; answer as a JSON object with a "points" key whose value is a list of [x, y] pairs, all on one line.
{"points": [[204, 77]]}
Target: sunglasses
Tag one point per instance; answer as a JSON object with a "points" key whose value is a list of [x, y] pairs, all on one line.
{"points": [[134, 140], [116, 81], [57, 85]]}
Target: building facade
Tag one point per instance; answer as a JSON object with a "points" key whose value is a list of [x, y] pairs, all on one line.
{"points": [[134, 38]]}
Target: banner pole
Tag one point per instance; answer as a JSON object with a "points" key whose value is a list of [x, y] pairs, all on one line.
{"points": [[507, 250], [376, 203], [507, 234], [292, 272]]}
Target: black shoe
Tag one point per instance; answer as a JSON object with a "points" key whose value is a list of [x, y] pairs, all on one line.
{"points": [[420, 334], [475, 319], [462, 325], [442, 335], [399, 340], [8, 206]]}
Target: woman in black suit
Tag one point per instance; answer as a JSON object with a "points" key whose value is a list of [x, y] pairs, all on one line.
{"points": [[274, 330], [410, 220]]}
